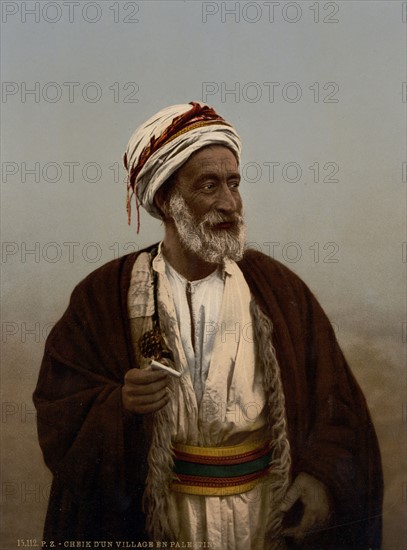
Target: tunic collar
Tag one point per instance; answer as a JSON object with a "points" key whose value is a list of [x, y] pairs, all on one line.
{"points": [[227, 267]]}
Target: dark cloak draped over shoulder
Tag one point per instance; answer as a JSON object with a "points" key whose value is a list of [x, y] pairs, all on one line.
{"points": [[97, 452]]}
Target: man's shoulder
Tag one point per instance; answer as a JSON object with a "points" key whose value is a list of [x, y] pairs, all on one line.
{"points": [[257, 263], [272, 283], [117, 272]]}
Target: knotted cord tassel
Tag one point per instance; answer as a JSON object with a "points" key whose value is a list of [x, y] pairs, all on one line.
{"points": [[128, 199], [138, 213]]}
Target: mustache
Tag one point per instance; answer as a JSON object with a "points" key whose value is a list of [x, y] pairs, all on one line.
{"points": [[214, 217]]}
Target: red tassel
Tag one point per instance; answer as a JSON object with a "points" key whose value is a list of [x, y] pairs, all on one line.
{"points": [[128, 205], [138, 214], [128, 200]]}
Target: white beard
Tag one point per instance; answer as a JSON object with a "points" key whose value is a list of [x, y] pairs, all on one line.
{"points": [[199, 237]]}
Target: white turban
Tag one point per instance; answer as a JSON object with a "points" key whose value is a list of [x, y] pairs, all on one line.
{"points": [[166, 141]]}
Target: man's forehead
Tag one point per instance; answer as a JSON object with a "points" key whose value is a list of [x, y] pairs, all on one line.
{"points": [[212, 158]]}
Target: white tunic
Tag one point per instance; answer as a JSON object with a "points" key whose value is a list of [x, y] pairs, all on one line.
{"points": [[198, 327], [220, 399]]}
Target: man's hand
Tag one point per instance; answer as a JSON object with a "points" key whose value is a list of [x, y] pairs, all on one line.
{"points": [[144, 390], [314, 496]]}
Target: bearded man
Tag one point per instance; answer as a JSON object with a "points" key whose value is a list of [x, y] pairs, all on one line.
{"points": [[256, 435]]}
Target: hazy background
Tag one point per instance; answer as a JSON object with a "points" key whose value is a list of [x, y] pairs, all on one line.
{"points": [[315, 90]]}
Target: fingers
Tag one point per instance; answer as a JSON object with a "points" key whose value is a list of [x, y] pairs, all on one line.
{"points": [[143, 376], [144, 406], [308, 522], [145, 391], [146, 387], [314, 496]]}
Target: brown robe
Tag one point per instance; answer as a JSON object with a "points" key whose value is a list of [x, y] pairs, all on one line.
{"points": [[97, 452]]}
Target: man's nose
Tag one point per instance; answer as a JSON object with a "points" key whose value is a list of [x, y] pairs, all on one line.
{"points": [[227, 200]]}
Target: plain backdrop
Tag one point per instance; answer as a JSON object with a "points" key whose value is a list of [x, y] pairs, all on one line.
{"points": [[316, 91]]}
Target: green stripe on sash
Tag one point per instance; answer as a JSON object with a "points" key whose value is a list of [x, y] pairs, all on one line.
{"points": [[208, 470]]}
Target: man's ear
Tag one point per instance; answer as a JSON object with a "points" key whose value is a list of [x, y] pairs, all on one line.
{"points": [[161, 202], [162, 197]]}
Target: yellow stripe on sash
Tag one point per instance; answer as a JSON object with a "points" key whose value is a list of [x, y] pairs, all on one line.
{"points": [[228, 451], [214, 491]]}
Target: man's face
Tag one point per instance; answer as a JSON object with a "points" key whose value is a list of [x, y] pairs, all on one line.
{"points": [[206, 205]]}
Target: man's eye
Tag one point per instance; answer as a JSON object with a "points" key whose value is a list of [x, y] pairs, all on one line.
{"points": [[209, 185]]}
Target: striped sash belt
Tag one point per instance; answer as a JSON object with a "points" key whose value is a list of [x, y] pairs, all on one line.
{"points": [[220, 470]]}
